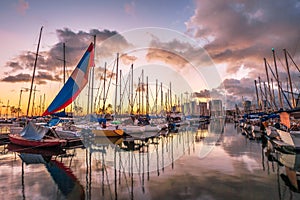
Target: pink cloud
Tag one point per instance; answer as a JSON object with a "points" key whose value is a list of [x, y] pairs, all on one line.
{"points": [[129, 8], [22, 6], [244, 32]]}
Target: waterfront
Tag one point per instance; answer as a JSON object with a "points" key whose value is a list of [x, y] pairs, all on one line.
{"points": [[190, 164]]}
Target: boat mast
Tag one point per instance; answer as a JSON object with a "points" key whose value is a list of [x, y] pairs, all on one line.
{"points": [[64, 61], [171, 106], [156, 95], [257, 98], [277, 78], [147, 96], [19, 106], [142, 91], [269, 88], [181, 103], [33, 74], [266, 96], [120, 110], [92, 78], [161, 97], [32, 109], [64, 67], [104, 95], [289, 78], [40, 106], [44, 99], [273, 93], [115, 106], [132, 104], [261, 93], [139, 90]]}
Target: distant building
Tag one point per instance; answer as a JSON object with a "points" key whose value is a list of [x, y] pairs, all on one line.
{"points": [[247, 106], [203, 110], [215, 107]]}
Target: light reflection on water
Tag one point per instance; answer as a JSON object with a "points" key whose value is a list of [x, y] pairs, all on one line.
{"points": [[193, 164]]}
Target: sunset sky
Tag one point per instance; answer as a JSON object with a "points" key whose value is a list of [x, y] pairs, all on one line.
{"points": [[184, 35]]}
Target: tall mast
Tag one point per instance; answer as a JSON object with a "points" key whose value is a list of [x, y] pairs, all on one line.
{"points": [[92, 77], [273, 94], [261, 93], [40, 106], [257, 98], [147, 96], [19, 106], [277, 78], [132, 104], [161, 97], [289, 78], [142, 91], [171, 106], [116, 84], [64, 67], [64, 61], [44, 99], [32, 109], [139, 90], [166, 100], [269, 88], [33, 74], [266, 96], [156, 95], [181, 103], [104, 95], [120, 110], [287, 87]]}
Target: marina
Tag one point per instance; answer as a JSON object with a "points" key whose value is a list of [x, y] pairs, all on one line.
{"points": [[149, 100], [191, 164]]}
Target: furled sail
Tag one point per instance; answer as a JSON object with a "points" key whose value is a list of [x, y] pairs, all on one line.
{"points": [[74, 84]]}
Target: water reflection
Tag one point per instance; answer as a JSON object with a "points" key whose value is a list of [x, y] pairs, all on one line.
{"points": [[286, 164], [209, 162], [122, 169], [40, 161]]}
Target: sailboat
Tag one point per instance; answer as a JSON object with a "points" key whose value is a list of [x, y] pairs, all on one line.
{"points": [[66, 96], [36, 136], [289, 135], [75, 84]]}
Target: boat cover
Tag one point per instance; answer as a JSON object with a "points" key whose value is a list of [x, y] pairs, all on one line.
{"points": [[34, 132]]}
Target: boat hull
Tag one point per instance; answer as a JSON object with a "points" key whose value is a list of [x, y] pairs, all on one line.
{"points": [[19, 140], [292, 138], [108, 132]]}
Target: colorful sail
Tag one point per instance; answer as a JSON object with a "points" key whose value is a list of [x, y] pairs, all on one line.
{"points": [[74, 85]]}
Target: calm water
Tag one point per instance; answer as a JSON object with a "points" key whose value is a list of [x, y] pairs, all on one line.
{"points": [[209, 163]]}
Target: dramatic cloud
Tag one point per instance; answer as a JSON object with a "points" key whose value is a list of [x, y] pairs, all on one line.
{"points": [[17, 78], [244, 32], [243, 87], [178, 54], [202, 94], [127, 59], [40, 78], [51, 60]]}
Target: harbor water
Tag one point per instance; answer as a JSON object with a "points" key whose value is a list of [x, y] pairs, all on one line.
{"points": [[209, 162]]}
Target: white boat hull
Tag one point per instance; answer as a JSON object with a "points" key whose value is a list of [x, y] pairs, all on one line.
{"points": [[291, 138]]}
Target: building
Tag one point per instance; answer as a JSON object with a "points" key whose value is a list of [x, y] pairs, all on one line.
{"points": [[215, 108]]}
